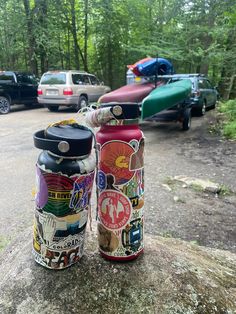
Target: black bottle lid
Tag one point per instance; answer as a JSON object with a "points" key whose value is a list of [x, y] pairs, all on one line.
{"points": [[71, 140], [128, 110]]}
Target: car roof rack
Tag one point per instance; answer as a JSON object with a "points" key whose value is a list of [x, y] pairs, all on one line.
{"points": [[182, 75], [62, 70]]}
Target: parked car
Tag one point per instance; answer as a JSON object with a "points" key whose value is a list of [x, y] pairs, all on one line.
{"points": [[17, 88], [203, 96], [138, 92], [69, 88]]}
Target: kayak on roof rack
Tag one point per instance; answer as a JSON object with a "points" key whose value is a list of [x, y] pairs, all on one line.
{"points": [[129, 93], [166, 97], [151, 67]]}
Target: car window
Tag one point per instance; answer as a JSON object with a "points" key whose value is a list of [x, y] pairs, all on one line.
{"points": [[183, 78], [26, 79], [32, 78], [201, 84], [208, 85], [205, 84], [80, 79], [94, 80], [6, 77], [86, 80], [53, 78], [77, 79]]}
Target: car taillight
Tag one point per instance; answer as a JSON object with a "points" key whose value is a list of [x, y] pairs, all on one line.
{"points": [[67, 91], [40, 92], [196, 93]]}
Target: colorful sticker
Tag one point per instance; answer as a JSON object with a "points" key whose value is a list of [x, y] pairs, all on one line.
{"points": [[132, 235], [108, 241], [62, 205], [121, 243], [114, 209], [115, 159], [101, 180], [59, 259], [62, 195], [134, 189], [58, 234], [137, 161], [41, 197], [121, 198]]}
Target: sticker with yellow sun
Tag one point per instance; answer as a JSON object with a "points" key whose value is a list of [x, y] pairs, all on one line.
{"points": [[115, 159]]}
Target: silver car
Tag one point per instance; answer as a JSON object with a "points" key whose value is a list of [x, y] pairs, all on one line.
{"points": [[69, 88]]}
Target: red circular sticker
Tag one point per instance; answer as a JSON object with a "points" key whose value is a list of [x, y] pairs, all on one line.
{"points": [[115, 160], [114, 209]]}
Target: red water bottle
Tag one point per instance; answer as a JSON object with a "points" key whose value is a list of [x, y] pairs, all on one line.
{"points": [[120, 182]]}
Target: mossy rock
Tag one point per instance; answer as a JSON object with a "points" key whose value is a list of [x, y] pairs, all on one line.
{"points": [[172, 276]]}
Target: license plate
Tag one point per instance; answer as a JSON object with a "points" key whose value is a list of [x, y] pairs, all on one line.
{"points": [[52, 92]]}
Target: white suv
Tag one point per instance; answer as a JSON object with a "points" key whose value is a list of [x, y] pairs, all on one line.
{"points": [[69, 88]]}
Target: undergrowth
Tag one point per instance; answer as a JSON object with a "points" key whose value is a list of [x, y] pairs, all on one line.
{"points": [[228, 109]]}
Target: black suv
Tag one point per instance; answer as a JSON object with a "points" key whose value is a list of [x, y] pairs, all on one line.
{"points": [[17, 88], [203, 96]]}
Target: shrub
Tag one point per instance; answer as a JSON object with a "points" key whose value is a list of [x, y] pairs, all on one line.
{"points": [[228, 108]]}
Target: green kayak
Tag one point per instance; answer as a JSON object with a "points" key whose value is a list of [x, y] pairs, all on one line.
{"points": [[165, 97]]}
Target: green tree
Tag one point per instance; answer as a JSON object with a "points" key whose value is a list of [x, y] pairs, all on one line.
{"points": [[104, 36]]}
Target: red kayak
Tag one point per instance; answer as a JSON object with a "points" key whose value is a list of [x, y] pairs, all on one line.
{"points": [[128, 93]]}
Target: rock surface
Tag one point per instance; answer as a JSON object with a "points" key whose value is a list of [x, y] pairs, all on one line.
{"points": [[205, 185], [172, 276]]}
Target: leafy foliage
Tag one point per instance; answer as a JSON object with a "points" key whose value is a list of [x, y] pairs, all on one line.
{"points": [[229, 110], [104, 36]]}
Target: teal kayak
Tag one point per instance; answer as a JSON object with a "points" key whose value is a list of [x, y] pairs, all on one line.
{"points": [[165, 97]]}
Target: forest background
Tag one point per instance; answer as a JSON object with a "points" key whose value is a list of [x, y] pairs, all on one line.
{"points": [[104, 36]]}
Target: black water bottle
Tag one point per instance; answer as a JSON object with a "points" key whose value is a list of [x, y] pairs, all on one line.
{"points": [[64, 180]]}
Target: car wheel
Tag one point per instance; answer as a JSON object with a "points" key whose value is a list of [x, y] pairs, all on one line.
{"points": [[4, 105], [202, 109], [186, 124], [52, 108], [82, 103]]}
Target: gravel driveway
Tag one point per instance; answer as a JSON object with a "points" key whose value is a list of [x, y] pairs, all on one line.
{"points": [[171, 209]]}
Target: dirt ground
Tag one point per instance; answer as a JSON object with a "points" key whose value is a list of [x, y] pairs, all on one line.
{"points": [[176, 211], [171, 210]]}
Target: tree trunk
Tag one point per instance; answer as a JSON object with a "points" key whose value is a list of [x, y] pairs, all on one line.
{"points": [[60, 52], [68, 59], [204, 68], [86, 35], [74, 34], [41, 8], [228, 71], [31, 38], [109, 63], [232, 94]]}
